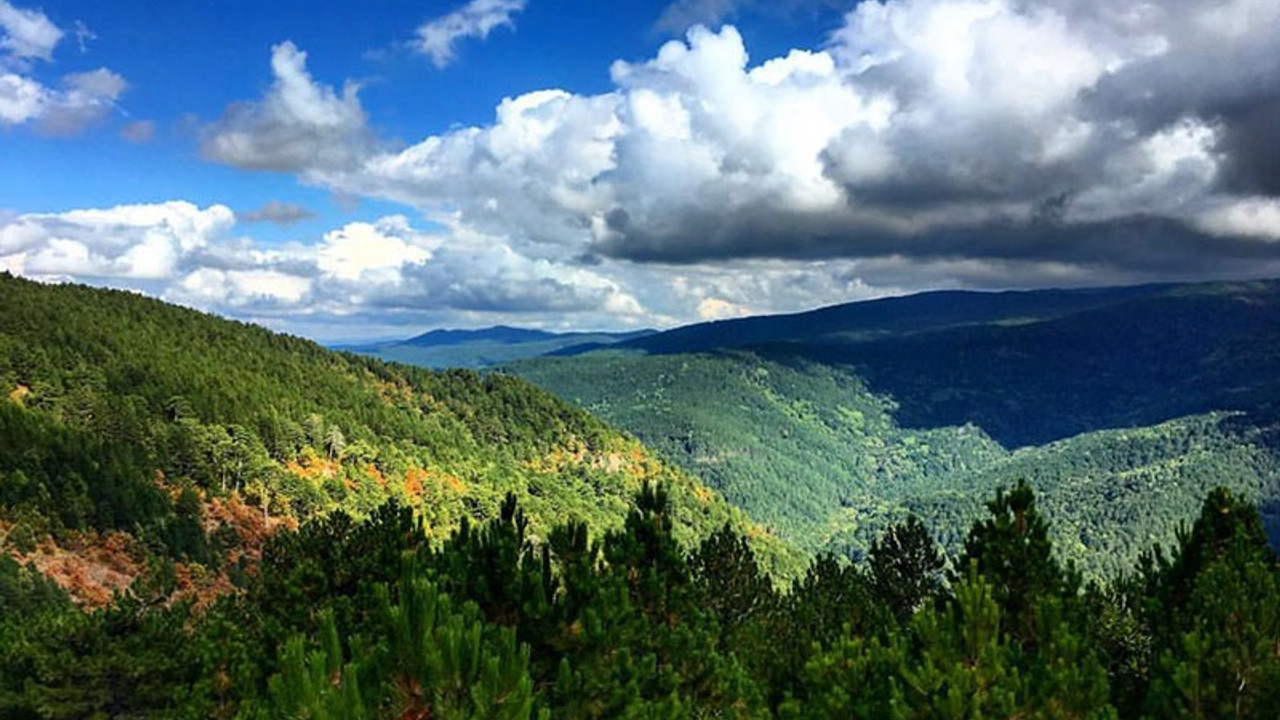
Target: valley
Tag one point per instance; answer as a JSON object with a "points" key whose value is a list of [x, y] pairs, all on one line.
{"points": [[201, 518], [1121, 407]]}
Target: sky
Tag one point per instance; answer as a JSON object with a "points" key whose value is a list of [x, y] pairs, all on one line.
{"points": [[373, 169]]}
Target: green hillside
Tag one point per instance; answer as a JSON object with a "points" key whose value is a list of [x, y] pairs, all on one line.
{"points": [[356, 620], [1123, 407], [796, 444], [305, 534], [121, 413]]}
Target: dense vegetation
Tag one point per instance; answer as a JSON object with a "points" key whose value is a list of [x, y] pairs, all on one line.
{"points": [[807, 449], [370, 619], [121, 413], [456, 545], [1033, 367], [1123, 407]]}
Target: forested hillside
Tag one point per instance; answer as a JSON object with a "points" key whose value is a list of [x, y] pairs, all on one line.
{"points": [[302, 534], [1122, 407], [141, 432], [373, 620]]}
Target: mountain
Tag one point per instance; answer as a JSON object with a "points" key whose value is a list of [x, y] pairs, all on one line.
{"points": [[178, 437], [277, 530], [892, 316], [442, 349], [1123, 407]]}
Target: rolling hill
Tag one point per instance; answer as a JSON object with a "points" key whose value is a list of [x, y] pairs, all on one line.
{"points": [[1122, 406], [163, 432], [233, 486]]}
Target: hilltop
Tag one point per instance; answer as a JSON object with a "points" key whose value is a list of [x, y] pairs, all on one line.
{"points": [[145, 426]]}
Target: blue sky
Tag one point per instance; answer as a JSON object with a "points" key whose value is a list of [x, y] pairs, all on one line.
{"points": [[345, 170]]}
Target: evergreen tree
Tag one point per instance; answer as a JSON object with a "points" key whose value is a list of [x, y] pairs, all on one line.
{"points": [[906, 567], [1012, 550]]}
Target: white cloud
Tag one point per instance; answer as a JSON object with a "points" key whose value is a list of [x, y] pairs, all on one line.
{"points": [[26, 34], [714, 308], [1254, 217], [299, 126], [21, 99], [78, 100], [84, 99], [986, 142], [476, 19], [359, 274], [364, 249], [230, 290], [923, 118], [128, 242]]}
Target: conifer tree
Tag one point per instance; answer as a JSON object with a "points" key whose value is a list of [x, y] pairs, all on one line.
{"points": [[906, 567], [1012, 550]]}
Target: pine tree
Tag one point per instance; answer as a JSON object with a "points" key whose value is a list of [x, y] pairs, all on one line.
{"points": [[906, 567], [1012, 550]]}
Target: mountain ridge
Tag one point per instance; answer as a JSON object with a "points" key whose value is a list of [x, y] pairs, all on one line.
{"points": [[485, 347], [832, 430]]}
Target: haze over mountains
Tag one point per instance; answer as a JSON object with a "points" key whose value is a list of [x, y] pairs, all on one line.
{"points": [[485, 347]]}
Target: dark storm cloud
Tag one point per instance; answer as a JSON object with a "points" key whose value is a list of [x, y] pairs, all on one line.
{"points": [[1147, 245]]}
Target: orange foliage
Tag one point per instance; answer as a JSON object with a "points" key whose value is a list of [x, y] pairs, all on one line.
{"points": [[198, 584], [376, 474], [454, 483], [413, 482], [313, 467], [418, 481], [630, 460], [394, 392], [91, 567], [252, 531]]}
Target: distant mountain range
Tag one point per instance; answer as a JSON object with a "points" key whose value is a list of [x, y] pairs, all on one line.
{"points": [[487, 347], [1122, 405], [1033, 367]]}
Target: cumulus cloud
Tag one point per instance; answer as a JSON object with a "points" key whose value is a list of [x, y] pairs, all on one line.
{"points": [[927, 128], [280, 213], [985, 143], [83, 99], [128, 242], [77, 101], [437, 38], [361, 275], [299, 126], [26, 34]]}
